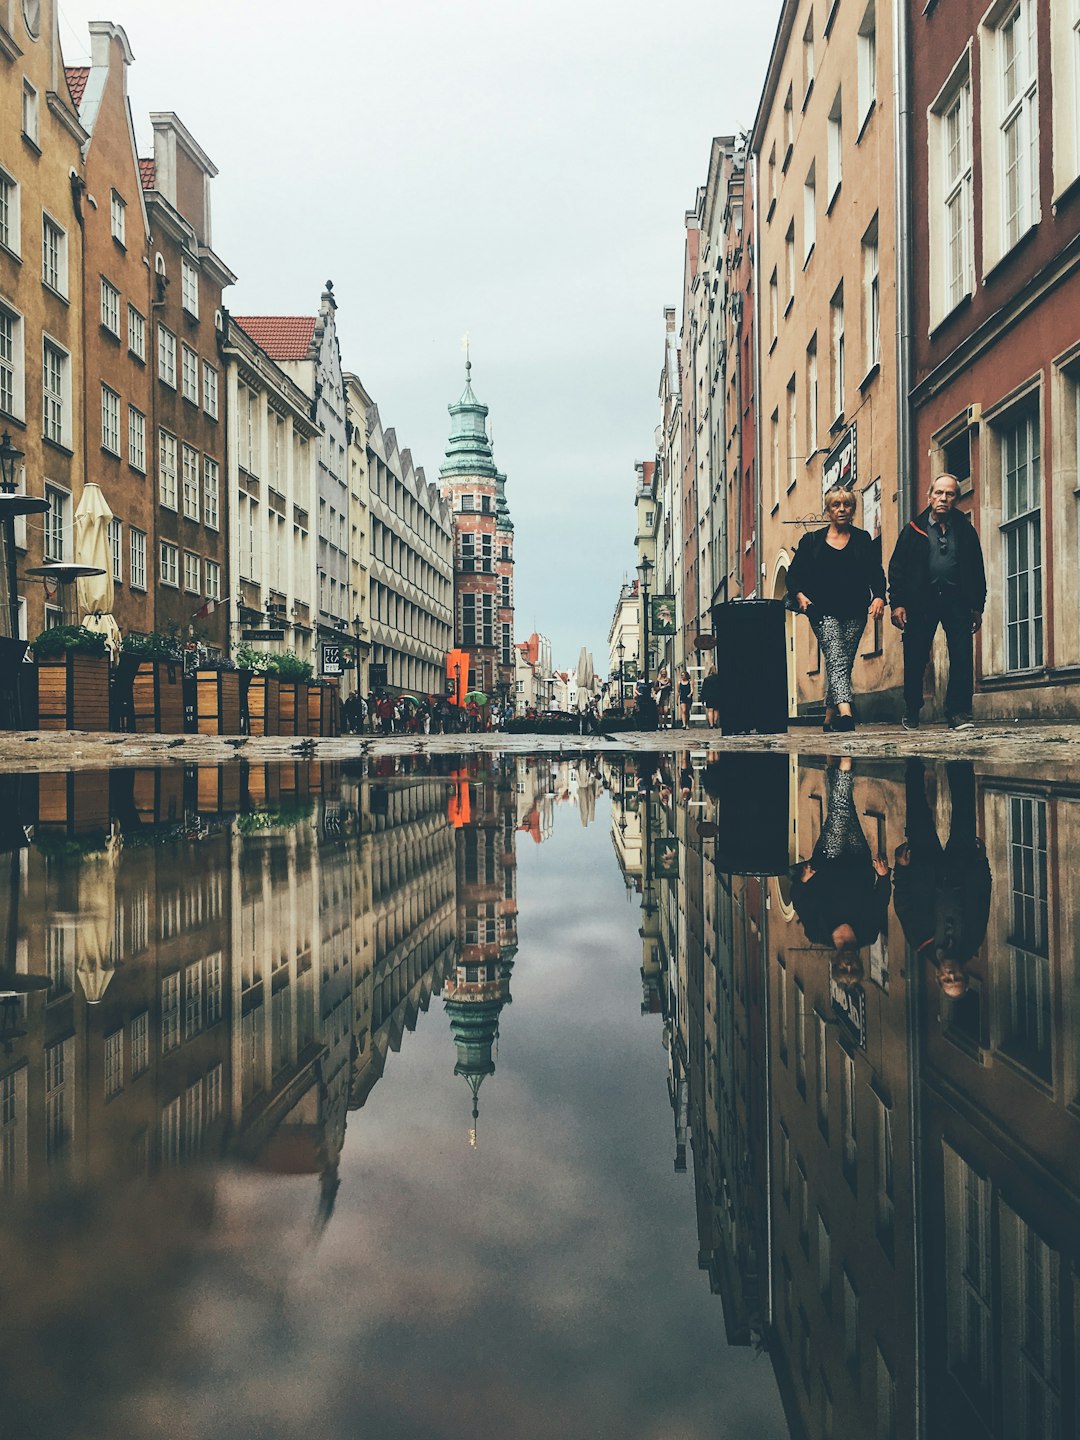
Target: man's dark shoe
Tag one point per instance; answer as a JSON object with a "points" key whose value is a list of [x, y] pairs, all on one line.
{"points": [[961, 722], [910, 722]]}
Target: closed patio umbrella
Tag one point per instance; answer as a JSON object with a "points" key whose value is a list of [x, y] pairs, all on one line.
{"points": [[95, 956], [92, 547]]}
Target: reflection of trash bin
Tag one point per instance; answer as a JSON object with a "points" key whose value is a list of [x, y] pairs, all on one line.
{"points": [[754, 812], [751, 661]]}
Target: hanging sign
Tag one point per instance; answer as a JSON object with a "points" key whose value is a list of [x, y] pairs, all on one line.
{"points": [[840, 467], [849, 1006], [662, 614], [331, 659]]}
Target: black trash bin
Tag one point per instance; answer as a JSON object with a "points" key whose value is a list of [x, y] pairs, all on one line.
{"points": [[754, 813], [751, 661]]}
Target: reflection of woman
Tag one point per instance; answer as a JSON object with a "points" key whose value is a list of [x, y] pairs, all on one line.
{"points": [[834, 579], [841, 894]]}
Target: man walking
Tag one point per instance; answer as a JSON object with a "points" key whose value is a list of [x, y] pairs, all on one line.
{"points": [[936, 577]]}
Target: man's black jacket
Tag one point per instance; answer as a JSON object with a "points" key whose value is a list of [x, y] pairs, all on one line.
{"points": [[909, 568]]}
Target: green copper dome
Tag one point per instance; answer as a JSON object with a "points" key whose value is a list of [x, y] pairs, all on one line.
{"points": [[469, 450]]}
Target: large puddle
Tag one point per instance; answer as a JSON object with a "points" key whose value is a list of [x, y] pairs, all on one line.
{"points": [[633, 1097]]}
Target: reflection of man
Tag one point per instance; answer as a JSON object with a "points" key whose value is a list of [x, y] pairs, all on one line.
{"points": [[942, 896], [936, 577]]}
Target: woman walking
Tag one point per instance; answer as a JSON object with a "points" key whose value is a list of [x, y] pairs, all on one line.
{"points": [[835, 580], [686, 699], [711, 693]]}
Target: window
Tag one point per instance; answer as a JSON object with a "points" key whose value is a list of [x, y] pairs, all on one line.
{"points": [[851, 1324], [166, 356], [792, 435], [59, 1100], [136, 333], [968, 1266], [192, 573], [210, 390], [170, 1013], [117, 217], [9, 213], [811, 397], [1065, 68], [56, 380], [1021, 532], [167, 469], [110, 308], [116, 533], [886, 1399], [772, 180], [53, 256], [140, 1043], [1028, 1019], [170, 563], [836, 145], [884, 1177], [1010, 120], [136, 439], [211, 483], [213, 982], [57, 523], [774, 454], [192, 999], [789, 262], [774, 306], [824, 1262], [110, 420], [114, 1064], [837, 315], [214, 1090], [30, 113], [12, 368], [190, 464], [822, 1058], [213, 580], [867, 46], [189, 287], [808, 57], [848, 1114], [138, 558], [189, 374], [170, 1132], [809, 211], [789, 129], [872, 295]]}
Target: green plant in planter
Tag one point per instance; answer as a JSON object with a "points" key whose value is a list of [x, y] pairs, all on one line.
{"points": [[154, 646], [288, 666], [248, 658], [62, 640]]}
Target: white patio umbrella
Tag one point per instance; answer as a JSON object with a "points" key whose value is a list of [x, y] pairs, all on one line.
{"points": [[585, 677], [95, 956], [92, 547]]}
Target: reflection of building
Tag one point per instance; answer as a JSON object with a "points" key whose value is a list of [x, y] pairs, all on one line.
{"points": [[479, 987], [1001, 1143]]}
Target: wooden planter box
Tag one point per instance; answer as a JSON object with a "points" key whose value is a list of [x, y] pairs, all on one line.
{"points": [[323, 710], [264, 705], [73, 693], [76, 802], [217, 702], [293, 707], [157, 693]]}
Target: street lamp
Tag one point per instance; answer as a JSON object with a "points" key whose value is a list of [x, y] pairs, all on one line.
{"points": [[645, 569], [12, 650]]}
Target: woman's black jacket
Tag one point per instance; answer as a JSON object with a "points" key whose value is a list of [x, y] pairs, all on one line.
{"points": [[909, 568], [866, 556]]}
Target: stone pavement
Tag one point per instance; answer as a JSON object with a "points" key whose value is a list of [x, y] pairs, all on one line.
{"points": [[1045, 746]]}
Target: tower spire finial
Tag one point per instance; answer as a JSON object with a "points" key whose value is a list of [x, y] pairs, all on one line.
{"points": [[468, 360]]}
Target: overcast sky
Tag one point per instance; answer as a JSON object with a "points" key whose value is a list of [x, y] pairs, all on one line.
{"points": [[515, 169]]}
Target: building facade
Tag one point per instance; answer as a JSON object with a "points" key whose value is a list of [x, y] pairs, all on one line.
{"points": [[272, 452], [411, 577], [186, 424], [42, 208], [995, 236], [359, 405]]}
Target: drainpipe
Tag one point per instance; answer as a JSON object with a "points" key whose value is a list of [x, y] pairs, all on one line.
{"points": [[906, 459], [759, 563]]}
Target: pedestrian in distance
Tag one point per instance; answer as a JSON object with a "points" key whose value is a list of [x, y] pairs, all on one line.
{"points": [[835, 580], [841, 894], [686, 698], [711, 693], [937, 577], [662, 696]]}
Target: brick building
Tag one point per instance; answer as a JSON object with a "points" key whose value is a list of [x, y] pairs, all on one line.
{"points": [[186, 425], [482, 531], [996, 281]]}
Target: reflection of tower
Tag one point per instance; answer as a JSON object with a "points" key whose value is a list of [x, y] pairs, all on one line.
{"points": [[487, 927]]}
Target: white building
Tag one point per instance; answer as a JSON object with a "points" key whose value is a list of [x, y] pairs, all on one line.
{"points": [[271, 459]]}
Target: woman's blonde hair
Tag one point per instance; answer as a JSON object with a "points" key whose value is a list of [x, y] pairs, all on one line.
{"points": [[838, 492]]}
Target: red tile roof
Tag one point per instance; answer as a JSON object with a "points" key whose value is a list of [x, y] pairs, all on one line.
{"points": [[147, 174], [283, 337], [77, 76]]}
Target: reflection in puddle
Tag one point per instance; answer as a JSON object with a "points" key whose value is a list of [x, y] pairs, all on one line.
{"points": [[864, 978]]}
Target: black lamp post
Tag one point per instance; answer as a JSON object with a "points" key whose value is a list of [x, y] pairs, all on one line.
{"points": [[645, 569], [620, 650], [11, 506]]}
